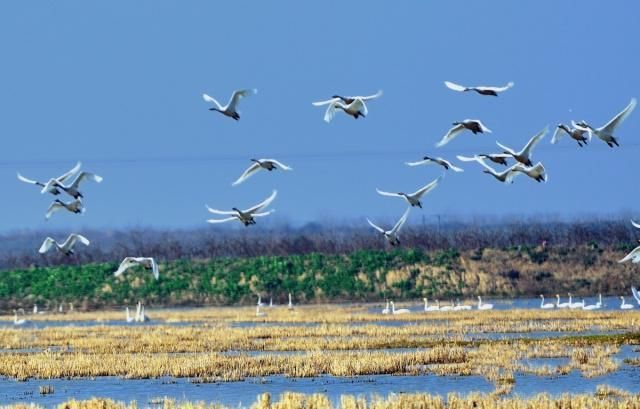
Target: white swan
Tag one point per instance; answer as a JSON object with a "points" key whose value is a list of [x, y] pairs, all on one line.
{"points": [[75, 206], [129, 318], [72, 188], [574, 305], [66, 247], [428, 307], [599, 303], [499, 158], [413, 198], [392, 235], [506, 176], [353, 106], [246, 216], [143, 317], [605, 132], [260, 313], [473, 125], [461, 307], [482, 90], [524, 155], [537, 172], [230, 109], [260, 304], [270, 302], [147, 262], [636, 294], [435, 161], [386, 310], [50, 186], [559, 304], [17, 321], [634, 256], [290, 305], [484, 306], [545, 306], [444, 307], [267, 164], [575, 134], [400, 311], [589, 307], [624, 305]]}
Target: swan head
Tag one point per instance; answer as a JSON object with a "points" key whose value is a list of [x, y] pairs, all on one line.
{"points": [[254, 160], [235, 209], [426, 158], [337, 96], [456, 123]]}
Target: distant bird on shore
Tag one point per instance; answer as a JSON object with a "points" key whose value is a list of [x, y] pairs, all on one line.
{"points": [[473, 125], [230, 109], [537, 172], [352, 106], [482, 90], [499, 158], [426, 160], [66, 247], [147, 262], [392, 235], [246, 216], [72, 189], [49, 186], [75, 206], [574, 133], [605, 132], [258, 164], [413, 198], [506, 176], [524, 156]]}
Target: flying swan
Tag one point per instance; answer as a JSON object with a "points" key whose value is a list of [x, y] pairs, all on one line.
{"points": [[247, 216], [267, 164], [230, 109]]}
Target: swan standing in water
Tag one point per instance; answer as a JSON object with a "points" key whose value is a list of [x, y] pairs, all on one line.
{"points": [[50, 187], [605, 132], [559, 304], [624, 305], [545, 306], [353, 106], [399, 311], [267, 164], [573, 305], [75, 206], [147, 262], [72, 188], [575, 134], [482, 306], [66, 247], [392, 235], [482, 90], [413, 198], [524, 156], [473, 125], [17, 321], [435, 161], [428, 307], [230, 109], [246, 216]]}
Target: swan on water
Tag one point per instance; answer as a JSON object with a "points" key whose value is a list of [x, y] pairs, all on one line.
{"points": [[386, 309], [624, 305], [428, 307], [484, 306], [559, 304], [399, 311], [545, 306]]}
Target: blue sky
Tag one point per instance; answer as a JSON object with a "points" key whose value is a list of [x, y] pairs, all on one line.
{"points": [[118, 86]]}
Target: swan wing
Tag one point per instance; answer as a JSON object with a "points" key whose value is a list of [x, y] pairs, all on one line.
{"points": [[370, 97], [279, 164], [383, 193], [557, 134], [466, 158], [262, 205], [506, 149], [426, 189], [635, 224], [53, 207], [618, 119], [328, 101], [127, 263], [46, 245], [212, 100], [482, 126], [216, 221], [331, 111], [358, 105], [221, 212], [25, 180], [63, 178], [454, 86], [263, 213], [154, 268], [401, 222], [636, 294], [450, 165], [73, 238], [420, 162], [247, 173], [497, 89], [380, 229], [82, 176], [634, 256], [451, 133], [237, 95], [534, 141]]}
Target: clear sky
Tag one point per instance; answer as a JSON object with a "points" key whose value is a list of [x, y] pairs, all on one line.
{"points": [[118, 85]]}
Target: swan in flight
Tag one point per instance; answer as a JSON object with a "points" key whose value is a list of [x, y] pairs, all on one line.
{"points": [[400, 311], [72, 189], [353, 106], [537, 172], [636, 294], [634, 256], [435, 161], [17, 321], [624, 305], [506, 176], [482, 90], [147, 262], [386, 310], [428, 307], [290, 305], [499, 158], [392, 235], [75, 206], [50, 188], [230, 109], [413, 198], [545, 306], [66, 247], [484, 306], [246, 216], [268, 164], [575, 134], [524, 156], [605, 132], [473, 125], [559, 304]]}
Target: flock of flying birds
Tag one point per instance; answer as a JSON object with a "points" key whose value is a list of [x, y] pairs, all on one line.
{"points": [[356, 107]]}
